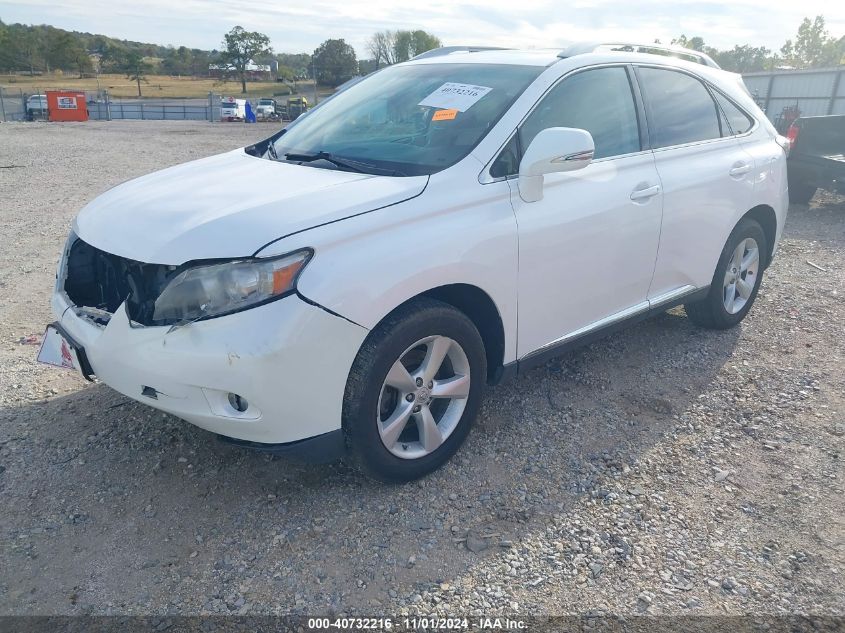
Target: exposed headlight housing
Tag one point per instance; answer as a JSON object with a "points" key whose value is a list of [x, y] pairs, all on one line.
{"points": [[211, 290]]}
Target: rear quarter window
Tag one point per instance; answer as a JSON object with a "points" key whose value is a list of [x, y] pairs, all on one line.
{"points": [[738, 121]]}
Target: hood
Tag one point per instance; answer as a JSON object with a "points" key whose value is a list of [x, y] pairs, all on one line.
{"points": [[229, 205]]}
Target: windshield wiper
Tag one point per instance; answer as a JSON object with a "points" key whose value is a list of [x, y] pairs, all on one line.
{"points": [[343, 163]]}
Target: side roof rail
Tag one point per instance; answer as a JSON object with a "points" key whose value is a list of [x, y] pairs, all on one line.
{"points": [[680, 52], [448, 50]]}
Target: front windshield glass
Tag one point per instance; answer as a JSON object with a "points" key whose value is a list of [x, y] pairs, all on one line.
{"points": [[407, 120]]}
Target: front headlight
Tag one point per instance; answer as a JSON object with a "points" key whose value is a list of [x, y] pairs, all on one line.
{"points": [[216, 289]]}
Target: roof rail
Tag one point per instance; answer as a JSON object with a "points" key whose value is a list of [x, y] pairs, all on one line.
{"points": [[448, 50], [680, 52]]}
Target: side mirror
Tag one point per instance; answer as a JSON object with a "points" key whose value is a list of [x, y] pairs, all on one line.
{"points": [[555, 149]]}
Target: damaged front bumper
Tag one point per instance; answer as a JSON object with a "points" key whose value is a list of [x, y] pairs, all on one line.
{"points": [[287, 362]]}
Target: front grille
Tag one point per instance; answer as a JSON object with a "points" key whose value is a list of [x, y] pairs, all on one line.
{"points": [[97, 279]]}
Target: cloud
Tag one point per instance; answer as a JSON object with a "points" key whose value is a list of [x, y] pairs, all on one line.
{"points": [[299, 26]]}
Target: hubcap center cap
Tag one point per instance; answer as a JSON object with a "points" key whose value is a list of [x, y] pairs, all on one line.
{"points": [[423, 396]]}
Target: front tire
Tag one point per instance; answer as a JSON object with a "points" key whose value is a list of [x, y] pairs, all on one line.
{"points": [[414, 391], [736, 281]]}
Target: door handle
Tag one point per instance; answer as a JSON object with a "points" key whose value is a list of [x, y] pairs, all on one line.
{"points": [[739, 169], [645, 193]]}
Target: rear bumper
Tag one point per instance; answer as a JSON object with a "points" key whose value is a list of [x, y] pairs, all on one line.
{"points": [[290, 360]]}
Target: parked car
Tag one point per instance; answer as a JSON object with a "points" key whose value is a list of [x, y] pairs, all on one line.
{"points": [[351, 284], [232, 109], [816, 156], [36, 107], [266, 108]]}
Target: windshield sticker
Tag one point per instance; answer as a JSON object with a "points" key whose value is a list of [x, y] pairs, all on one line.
{"points": [[445, 115], [460, 97]]}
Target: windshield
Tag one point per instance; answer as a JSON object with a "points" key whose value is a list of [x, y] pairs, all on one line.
{"points": [[265, 102], [409, 119]]}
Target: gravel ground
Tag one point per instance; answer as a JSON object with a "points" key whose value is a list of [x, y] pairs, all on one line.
{"points": [[665, 470]]}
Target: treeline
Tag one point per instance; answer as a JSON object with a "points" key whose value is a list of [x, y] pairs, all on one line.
{"points": [[43, 49], [812, 47]]}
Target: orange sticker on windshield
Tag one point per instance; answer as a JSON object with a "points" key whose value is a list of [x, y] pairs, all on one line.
{"points": [[445, 115]]}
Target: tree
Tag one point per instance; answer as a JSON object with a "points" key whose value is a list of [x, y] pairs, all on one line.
{"points": [[744, 59], [334, 62], [240, 48], [65, 51], [382, 48], [136, 68], [178, 61], [299, 63], [392, 47], [813, 46], [695, 43], [5, 44], [409, 44], [27, 45]]}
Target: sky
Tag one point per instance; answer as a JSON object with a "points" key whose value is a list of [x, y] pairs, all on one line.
{"points": [[296, 26]]}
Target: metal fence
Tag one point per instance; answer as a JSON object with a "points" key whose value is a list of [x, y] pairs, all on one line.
{"points": [[785, 93], [102, 107], [12, 104], [106, 109]]}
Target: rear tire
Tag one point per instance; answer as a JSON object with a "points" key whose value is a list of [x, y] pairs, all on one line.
{"points": [[414, 391], [736, 281]]}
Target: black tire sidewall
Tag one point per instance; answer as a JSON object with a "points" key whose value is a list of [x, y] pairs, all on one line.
{"points": [[381, 349]]}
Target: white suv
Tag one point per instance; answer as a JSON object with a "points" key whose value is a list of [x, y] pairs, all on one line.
{"points": [[352, 283]]}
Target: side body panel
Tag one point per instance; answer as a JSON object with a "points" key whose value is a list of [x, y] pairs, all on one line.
{"points": [[456, 231], [587, 250], [770, 182], [702, 203]]}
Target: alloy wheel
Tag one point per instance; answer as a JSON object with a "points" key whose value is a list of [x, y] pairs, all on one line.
{"points": [[423, 397], [741, 275]]}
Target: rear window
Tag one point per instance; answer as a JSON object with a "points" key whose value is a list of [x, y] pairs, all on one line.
{"points": [[680, 107]]}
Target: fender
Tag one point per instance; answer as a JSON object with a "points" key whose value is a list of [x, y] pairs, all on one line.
{"points": [[366, 266]]}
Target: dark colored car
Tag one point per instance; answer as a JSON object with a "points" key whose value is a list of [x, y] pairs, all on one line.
{"points": [[816, 157]]}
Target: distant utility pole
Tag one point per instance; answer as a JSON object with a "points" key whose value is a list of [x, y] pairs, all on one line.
{"points": [[314, 72]]}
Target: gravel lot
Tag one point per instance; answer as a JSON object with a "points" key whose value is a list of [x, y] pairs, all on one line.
{"points": [[665, 470]]}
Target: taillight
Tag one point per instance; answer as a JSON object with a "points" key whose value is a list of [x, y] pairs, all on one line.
{"points": [[792, 134]]}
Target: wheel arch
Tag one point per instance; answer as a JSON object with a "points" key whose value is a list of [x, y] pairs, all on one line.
{"points": [[479, 308], [765, 216], [482, 311]]}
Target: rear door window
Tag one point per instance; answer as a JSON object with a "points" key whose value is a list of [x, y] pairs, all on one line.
{"points": [[680, 108]]}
